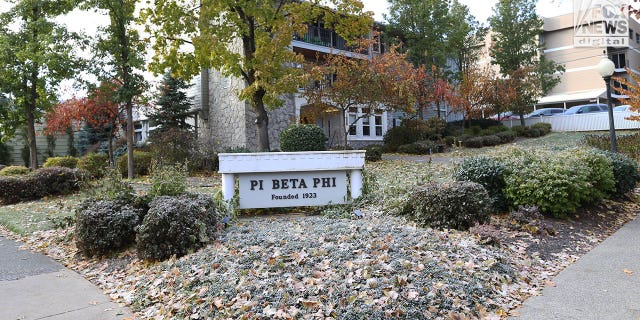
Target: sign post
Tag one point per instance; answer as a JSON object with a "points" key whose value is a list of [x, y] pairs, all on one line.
{"points": [[292, 179]]}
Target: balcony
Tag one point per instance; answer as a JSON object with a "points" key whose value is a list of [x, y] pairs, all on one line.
{"points": [[322, 37]]}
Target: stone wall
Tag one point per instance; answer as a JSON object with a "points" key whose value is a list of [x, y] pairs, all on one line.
{"points": [[279, 119], [225, 126]]}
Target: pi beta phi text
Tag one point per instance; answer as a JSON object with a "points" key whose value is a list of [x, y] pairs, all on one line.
{"points": [[294, 183]]}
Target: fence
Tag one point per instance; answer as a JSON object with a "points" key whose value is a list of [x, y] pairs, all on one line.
{"points": [[596, 121]]}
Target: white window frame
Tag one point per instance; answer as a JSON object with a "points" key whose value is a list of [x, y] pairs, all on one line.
{"points": [[359, 136]]}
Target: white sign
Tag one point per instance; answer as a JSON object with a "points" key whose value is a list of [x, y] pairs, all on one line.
{"points": [[292, 189], [600, 23]]}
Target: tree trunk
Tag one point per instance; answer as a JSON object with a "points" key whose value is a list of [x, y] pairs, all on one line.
{"points": [[130, 139], [110, 146], [522, 120], [262, 121], [31, 138]]}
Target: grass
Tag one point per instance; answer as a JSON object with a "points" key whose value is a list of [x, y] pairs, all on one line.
{"points": [[27, 217]]}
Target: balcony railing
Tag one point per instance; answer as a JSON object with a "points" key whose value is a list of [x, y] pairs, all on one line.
{"points": [[323, 37]]}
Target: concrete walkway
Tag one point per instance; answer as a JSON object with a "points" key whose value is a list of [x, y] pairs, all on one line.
{"points": [[604, 284], [32, 286]]}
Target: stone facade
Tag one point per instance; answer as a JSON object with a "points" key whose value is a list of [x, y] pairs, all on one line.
{"points": [[229, 122]]}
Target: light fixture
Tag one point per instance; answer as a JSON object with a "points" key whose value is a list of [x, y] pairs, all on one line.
{"points": [[606, 67]]}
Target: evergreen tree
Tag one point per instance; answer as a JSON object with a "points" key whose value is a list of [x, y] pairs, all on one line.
{"points": [[173, 105]]}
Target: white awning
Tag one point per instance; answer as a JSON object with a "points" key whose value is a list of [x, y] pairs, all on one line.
{"points": [[575, 96]]}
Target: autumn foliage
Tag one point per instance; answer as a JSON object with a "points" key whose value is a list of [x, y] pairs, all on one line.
{"points": [[99, 110], [631, 89]]}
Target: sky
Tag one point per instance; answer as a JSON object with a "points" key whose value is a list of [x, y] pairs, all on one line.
{"points": [[481, 9]]}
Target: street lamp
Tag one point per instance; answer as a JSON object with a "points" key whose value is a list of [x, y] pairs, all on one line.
{"points": [[606, 68]]}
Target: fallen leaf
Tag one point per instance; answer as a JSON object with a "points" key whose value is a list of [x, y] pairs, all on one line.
{"points": [[628, 272]]}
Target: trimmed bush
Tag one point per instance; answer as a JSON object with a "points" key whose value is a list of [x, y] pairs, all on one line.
{"points": [[176, 226], [398, 136], [14, 189], [112, 187], [557, 183], [519, 130], [67, 162], [625, 172], [14, 171], [491, 140], [420, 147], [458, 205], [141, 163], [488, 172], [104, 226], [532, 133], [303, 137], [506, 136], [475, 142], [94, 163], [545, 128], [374, 153], [600, 174], [57, 180]]}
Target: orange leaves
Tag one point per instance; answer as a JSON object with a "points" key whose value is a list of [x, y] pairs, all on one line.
{"points": [[630, 88], [99, 109]]}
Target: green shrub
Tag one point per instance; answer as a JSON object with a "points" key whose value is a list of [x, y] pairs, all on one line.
{"points": [[625, 172], [600, 175], [482, 123], [303, 137], [104, 226], [494, 130], [141, 163], [176, 226], [519, 130], [458, 205], [168, 180], [374, 153], [112, 187], [475, 142], [94, 163], [398, 136], [532, 133], [557, 183], [506, 136], [491, 140], [419, 147], [14, 171], [57, 180], [545, 128], [627, 144], [488, 172], [68, 162]]}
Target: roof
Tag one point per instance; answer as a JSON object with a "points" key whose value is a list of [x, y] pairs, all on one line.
{"points": [[574, 96]]}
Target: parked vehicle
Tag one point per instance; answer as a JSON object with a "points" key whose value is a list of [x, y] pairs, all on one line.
{"points": [[624, 107], [545, 112], [504, 116], [586, 108]]}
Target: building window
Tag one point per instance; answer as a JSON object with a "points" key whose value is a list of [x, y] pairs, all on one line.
{"points": [[619, 60], [630, 33], [637, 38], [365, 125], [353, 119], [378, 123]]}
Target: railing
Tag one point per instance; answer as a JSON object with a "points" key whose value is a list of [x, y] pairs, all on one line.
{"points": [[323, 37]]}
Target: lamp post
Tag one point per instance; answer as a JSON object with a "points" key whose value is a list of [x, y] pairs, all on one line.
{"points": [[606, 68]]}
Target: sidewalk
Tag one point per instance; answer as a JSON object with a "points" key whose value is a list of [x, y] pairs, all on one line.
{"points": [[32, 286], [603, 284]]}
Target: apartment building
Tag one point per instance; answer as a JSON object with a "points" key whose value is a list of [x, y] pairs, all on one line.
{"points": [[581, 83], [226, 121]]}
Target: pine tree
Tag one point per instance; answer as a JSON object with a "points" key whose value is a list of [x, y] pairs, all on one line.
{"points": [[173, 105]]}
